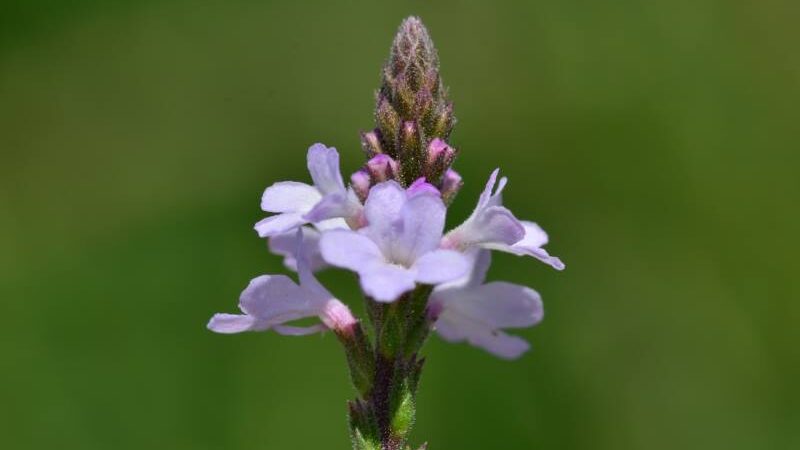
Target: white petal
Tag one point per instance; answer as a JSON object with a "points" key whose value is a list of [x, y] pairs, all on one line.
{"points": [[232, 323], [289, 196], [441, 266], [349, 250], [386, 282], [323, 164], [279, 223]]}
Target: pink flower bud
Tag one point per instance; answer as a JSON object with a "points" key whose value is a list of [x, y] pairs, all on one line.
{"points": [[371, 143], [360, 181], [382, 167], [440, 153], [337, 316], [451, 184]]}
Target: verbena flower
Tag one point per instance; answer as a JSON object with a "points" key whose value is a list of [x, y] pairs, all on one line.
{"points": [[469, 310], [493, 226], [321, 203], [271, 302], [388, 228], [399, 247]]}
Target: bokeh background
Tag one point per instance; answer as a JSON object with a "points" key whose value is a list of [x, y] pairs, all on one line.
{"points": [[657, 141]]}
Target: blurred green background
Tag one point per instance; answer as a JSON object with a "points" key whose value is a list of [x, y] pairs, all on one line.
{"points": [[657, 142]]}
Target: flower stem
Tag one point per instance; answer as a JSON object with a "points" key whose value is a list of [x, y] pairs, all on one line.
{"points": [[382, 418]]}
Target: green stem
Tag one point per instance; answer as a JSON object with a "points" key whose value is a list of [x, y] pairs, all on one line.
{"points": [[383, 415]]}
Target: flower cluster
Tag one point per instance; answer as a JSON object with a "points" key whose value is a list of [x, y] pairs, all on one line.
{"points": [[387, 225], [395, 242]]}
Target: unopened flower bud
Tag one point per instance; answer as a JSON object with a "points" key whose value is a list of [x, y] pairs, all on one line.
{"points": [[337, 316], [412, 92], [410, 140], [360, 182], [388, 123], [440, 153], [438, 158], [411, 155], [451, 184], [371, 142], [382, 167], [443, 122]]}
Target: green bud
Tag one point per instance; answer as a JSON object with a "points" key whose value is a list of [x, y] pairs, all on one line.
{"points": [[411, 156], [443, 122], [360, 359], [363, 428], [371, 142], [389, 125], [403, 418]]}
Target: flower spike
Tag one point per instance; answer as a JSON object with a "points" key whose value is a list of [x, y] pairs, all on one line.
{"points": [[387, 226]]}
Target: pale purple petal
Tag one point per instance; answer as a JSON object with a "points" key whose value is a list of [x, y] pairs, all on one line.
{"points": [[452, 329], [323, 164], [289, 196], [276, 299], [530, 245], [289, 330], [480, 260], [349, 250], [421, 186], [497, 198], [337, 316], [232, 323], [285, 244], [331, 224], [494, 224], [535, 236], [422, 219], [486, 195], [383, 206], [441, 266], [500, 344], [502, 305], [478, 314], [386, 282], [490, 223], [338, 204], [308, 282], [542, 255], [279, 223]]}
